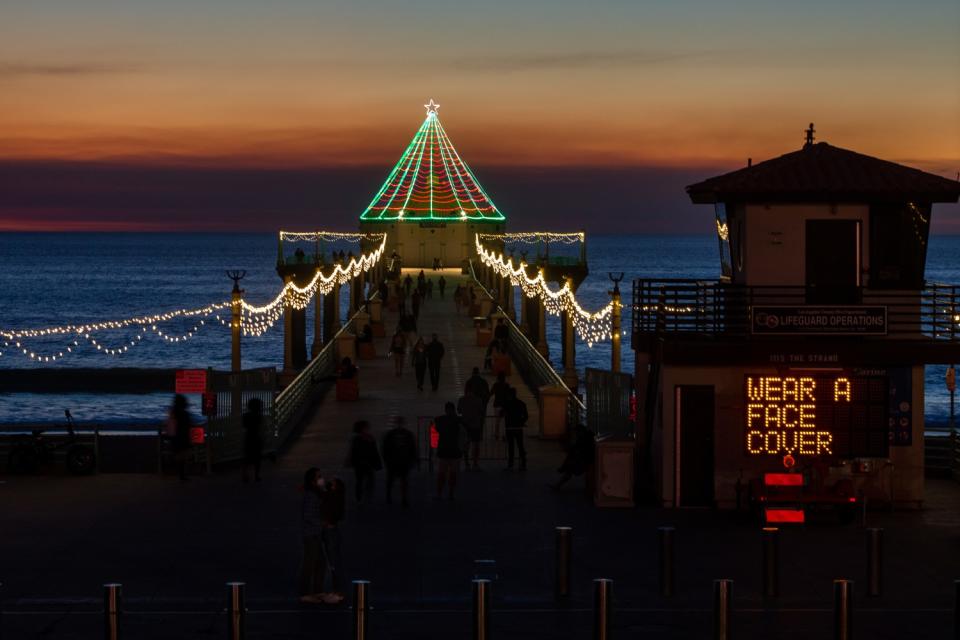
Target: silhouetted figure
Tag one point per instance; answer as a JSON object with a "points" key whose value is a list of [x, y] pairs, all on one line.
{"points": [[300, 256], [399, 457], [501, 332], [515, 415], [419, 360], [398, 348], [429, 289], [179, 424], [311, 526], [471, 409], [579, 456], [477, 385], [442, 285], [252, 438], [407, 284], [458, 300], [332, 509], [348, 370], [449, 430], [364, 458], [384, 291], [366, 334], [434, 356], [501, 394], [415, 300]]}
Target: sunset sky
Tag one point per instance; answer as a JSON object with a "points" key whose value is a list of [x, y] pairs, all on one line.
{"points": [[201, 114]]}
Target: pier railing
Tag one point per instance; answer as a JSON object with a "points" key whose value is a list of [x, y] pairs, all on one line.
{"points": [[534, 368], [712, 308]]}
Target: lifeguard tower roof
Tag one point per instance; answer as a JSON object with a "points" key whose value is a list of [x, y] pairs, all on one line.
{"points": [[820, 172], [431, 182]]}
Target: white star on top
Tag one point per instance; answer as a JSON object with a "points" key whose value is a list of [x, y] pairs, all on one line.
{"points": [[432, 107]]}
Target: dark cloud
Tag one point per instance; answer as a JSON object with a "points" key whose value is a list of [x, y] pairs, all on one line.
{"points": [[23, 69]]}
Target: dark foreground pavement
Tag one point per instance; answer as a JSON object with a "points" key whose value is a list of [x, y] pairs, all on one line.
{"points": [[173, 547]]}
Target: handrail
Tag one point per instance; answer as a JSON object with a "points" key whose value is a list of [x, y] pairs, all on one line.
{"points": [[528, 353]]}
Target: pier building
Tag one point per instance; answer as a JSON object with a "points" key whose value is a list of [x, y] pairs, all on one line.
{"points": [[803, 363]]}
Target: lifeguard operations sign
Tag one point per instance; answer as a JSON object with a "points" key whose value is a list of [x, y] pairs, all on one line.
{"points": [[827, 414], [821, 320]]}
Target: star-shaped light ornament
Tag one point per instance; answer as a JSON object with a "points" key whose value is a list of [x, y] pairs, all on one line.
{"points": [[432, 107]]}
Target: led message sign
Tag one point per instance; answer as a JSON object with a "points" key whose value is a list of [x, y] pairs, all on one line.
{"points": [[835, 414]]}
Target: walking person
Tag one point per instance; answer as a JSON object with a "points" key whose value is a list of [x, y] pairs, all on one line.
{"points": [[407, 283], [449, 429], [441, 285], [458, 297], [314, 563], [364, 458], [515, 416], [500, 392], [434, 356], [252, 439], [178, 427], [471, 409], [332, 508], [415, 304], [419, 359], [399, 457], [398, 348], [579, 457], [477, 385]]}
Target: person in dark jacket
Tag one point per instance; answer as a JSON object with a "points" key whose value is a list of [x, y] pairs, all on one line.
{"points": [[314, 565], [180, 420], [500, 391], [252, 438], [399, 457], [415, 300], [449, 429], [419, 359], [501, 332], [434, 356], [477, 385], [407, 283], [515, 416], [471, 410], [441, 285], [364, 458]]}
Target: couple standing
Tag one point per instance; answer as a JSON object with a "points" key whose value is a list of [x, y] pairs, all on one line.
{"points": [[322, 510]]}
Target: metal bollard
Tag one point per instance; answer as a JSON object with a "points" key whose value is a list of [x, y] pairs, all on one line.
{"points": [[111, 610], [874, 562], [481, 610], [722, 608], [770, 564], [564, 553], [666, 561], [236, 610], [602, 608], [361, 605], [843, 609]]}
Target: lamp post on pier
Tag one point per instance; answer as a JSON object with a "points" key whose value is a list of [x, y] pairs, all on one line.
{"points": [[236, 318], [615, 324]]}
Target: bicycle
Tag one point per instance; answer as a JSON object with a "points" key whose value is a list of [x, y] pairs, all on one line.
{"points": [[29, 453]]}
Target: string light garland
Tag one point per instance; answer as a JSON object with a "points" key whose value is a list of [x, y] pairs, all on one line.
{"points": [[431, 182], [591, 327], [255, 320], [326, 236], [536, 237]]}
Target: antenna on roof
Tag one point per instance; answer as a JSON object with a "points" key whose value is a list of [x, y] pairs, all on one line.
{"points": [[808, 141]]}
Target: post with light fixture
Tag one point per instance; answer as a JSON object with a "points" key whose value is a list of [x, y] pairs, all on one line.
{"points": [[335, 305], [287, 327], [236, 329], [615, 324], [317, 344], [542, 346], [570, 377]]}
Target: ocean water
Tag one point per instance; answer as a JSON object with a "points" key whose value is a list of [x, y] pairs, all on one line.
{"points": [[55, 279]]}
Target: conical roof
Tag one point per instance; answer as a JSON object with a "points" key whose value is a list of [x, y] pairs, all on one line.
{"points": [[431, 182]]}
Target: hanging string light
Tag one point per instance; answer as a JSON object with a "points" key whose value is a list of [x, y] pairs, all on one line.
{"points": [[591, 327], [255, 319], [536, 237], [326, 236]]}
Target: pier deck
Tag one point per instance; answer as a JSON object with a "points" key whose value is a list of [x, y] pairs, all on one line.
{"points": [[174, 545]]}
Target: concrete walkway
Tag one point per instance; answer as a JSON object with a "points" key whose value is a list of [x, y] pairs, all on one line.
{"points": [[174, 545]]}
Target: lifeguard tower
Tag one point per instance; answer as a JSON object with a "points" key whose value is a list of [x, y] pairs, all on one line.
{"points": [[797, 377], [431, 205]]}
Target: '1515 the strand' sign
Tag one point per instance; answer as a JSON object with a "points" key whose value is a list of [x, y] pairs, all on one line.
{"points": [[836, 414]]}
